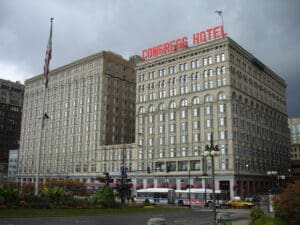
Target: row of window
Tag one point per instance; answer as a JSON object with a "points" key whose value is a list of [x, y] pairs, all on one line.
{"points": [[183, 103], [183, 79], [183, 139], [182, 67]]}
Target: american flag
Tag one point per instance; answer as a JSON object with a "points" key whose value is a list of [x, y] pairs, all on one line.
{"points": [[48, 57]]}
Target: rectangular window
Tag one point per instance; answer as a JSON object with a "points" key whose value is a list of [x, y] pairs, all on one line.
{"points": [[183, 114], [208, 109], [196, 112], [172, 127], [196, 125], [172, 115]]}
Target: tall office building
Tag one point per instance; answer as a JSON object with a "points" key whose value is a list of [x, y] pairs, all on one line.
{"points": [[294, 125], [11, 102], [89, 103], [213, 89]]}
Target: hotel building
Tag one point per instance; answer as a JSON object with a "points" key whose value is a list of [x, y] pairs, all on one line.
{"points": [[214, 89], [157, 116], [89, 103]]}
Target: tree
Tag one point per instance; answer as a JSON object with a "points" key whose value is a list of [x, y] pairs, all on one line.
{"points": [[288, 203], [105, 197]]}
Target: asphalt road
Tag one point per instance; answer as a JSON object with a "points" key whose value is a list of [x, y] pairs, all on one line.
{"points": [[184, 217]]}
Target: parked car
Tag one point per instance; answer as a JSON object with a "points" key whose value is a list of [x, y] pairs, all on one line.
{"points": [[239, 203]]}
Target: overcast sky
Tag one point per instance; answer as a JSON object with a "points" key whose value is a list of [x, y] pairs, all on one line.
{"points": [[269, 29]]}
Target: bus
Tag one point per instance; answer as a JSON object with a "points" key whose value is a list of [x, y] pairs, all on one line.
{"points": [[196, 197], [156, 196]]}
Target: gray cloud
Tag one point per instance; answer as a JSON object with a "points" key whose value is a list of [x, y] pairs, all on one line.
{"points": [[268, 29]]}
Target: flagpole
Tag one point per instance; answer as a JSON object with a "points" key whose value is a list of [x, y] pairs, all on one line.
{"points": [[220, 13], [43, 114]]}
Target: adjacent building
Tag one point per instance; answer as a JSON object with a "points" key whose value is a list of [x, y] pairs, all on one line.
{"points": [[13, 164], [214, 89], [294, 125], [11, 102], [89, 103]]}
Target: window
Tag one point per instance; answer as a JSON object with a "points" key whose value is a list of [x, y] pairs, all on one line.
{"points": [[208, 109], [151, 108], [172, 139], [161, 106], [210, 60], [196, 112], [221, 96], [184, 126], [209, 123], [196, 137], [218, 58], [196, 125], [142, 110], [184, 102], [205, 61], [183, 114], [161, 129], [172, 115], [222, 121], [196, 100], [183, 151], [222, 108], [161, 117], [172, 127], [223, 57], [150, 130], [173, 105], [141, 120], [205, 73], [208, 98], [183, 138], [223, 135], [195, 87], [150, 142], [151, 118], [223, 69], [173, 152], [196, 151]]}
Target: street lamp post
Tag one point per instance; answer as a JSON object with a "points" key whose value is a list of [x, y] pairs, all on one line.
{"points": [[212, 151]]}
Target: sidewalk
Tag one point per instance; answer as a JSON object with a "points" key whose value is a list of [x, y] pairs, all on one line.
{"points": [[241, 222]]}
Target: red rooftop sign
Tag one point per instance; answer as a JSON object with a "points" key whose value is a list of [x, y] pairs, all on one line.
{"points": [[174, 45]]}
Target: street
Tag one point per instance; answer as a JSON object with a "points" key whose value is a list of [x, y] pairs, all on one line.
{"points": [[183, 217]]}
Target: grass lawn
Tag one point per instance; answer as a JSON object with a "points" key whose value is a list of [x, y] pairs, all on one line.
{"points": [[76, 212]]}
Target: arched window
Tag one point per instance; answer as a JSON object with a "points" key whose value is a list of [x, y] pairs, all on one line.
{"points": [[151, 108], [196, 100], [205, 73], [221, 96], [210, 73], [172, 105], [184, 103], [161, 106], [142, 110], [208, 98]]}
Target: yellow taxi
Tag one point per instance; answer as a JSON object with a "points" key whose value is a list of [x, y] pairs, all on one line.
{"points": [[239, 203]]}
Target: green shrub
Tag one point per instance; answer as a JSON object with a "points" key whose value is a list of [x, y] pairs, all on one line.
{"points": [[105, 197], [10, 196]]}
